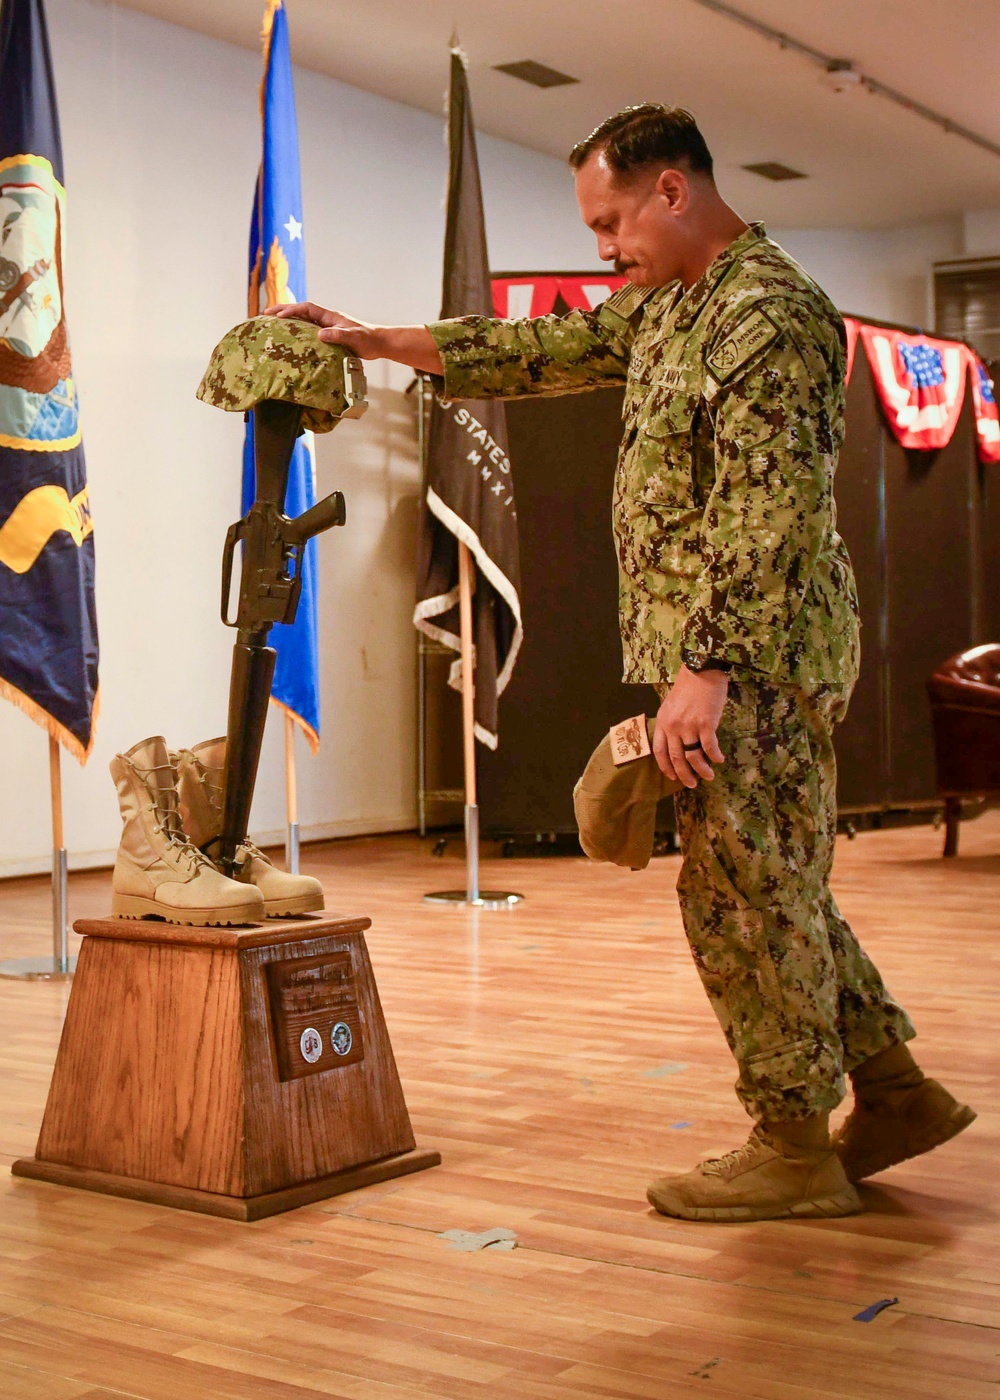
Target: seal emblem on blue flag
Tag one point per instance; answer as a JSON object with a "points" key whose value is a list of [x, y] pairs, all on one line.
{"points": [[48, 623], [37, 395]]}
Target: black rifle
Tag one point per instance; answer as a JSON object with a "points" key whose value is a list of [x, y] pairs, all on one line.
{"points": [[270, 584]]}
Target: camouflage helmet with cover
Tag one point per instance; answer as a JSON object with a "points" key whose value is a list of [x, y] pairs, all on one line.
{"points": [[271, 358]]}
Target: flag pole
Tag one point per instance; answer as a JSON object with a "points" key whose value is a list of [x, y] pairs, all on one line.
{"points": [[60, 926], [60, 967], [291, 800], [465, 577], [472, 896], [465, 289]]}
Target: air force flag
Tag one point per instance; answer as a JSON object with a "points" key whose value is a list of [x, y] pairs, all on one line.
{"points": [[278, 274]]}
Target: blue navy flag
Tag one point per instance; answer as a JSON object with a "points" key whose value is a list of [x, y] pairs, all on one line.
{"points": [[48, 622], [278, 274]]}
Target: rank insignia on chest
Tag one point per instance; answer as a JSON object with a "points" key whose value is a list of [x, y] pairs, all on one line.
{"points": [[752, 334]]}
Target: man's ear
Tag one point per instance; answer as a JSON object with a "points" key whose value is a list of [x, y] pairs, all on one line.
{"points": [[673, 186]]}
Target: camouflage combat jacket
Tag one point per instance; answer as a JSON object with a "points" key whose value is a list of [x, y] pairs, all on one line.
{"points": [[724, 517]]}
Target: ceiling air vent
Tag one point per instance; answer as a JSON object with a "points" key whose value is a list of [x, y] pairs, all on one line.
{"points": [[774, 170], [537, 74]]}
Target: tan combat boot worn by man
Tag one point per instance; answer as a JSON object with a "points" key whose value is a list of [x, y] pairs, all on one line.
{"points": [[158, 871], [898, 1113], [786, 1169], [201, 784]]}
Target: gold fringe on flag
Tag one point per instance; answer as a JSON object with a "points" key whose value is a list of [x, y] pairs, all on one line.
{"points": [[312, 738], [46, 721]]}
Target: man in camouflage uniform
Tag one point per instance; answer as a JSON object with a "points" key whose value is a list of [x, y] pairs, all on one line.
{"points": [[738, 602]]}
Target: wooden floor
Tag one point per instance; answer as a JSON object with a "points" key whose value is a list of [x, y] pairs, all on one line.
{"points": [[559, 1055]]}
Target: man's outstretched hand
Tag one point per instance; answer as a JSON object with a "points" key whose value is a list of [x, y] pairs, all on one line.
{"points": [[407, 345], [337, 329], [690, 715]]}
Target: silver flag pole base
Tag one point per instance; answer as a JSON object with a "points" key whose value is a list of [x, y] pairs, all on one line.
{"points": [[488, 899], [38, 969], [60, 966], [472, 897], [292, 848]]}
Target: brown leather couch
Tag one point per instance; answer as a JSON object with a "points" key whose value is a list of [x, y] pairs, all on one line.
{"points": [[965, 707]]}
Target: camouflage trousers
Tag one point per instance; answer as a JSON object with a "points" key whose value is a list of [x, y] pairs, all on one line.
{"points": [[799, 1000]]}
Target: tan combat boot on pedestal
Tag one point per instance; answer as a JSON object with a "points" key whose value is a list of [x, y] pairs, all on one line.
{"points": [[898, 1113], [159, 872], [200, 773], [783, 1170]]}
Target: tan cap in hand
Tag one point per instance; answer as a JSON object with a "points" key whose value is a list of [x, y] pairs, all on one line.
{"points": [[615, 800]]}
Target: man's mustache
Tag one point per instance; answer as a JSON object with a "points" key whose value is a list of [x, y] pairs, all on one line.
{"points": [[621, 268]]}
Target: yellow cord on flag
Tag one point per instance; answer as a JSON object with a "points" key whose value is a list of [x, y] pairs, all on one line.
{"points": [[267, 24], [56, 731]]}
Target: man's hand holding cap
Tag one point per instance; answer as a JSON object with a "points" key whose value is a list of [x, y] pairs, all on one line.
{"points": [[615, 800]]}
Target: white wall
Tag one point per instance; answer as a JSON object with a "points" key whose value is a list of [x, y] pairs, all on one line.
{"points": [[161, 136], [881, 273], [981, 228], [888, 273]]}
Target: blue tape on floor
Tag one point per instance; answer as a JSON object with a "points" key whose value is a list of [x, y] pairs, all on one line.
{"points": [[871, 1313], [661, 1071]]}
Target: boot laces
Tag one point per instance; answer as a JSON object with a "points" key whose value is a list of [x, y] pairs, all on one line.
{"points": [[736, 1161], [167, 814], [211, 783]]}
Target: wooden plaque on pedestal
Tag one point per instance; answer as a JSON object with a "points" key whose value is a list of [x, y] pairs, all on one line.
{"points": [[234, 1071]]}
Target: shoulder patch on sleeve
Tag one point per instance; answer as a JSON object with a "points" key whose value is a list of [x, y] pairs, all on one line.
{"points": [[624, 303], [628, 299], [753, 333]]}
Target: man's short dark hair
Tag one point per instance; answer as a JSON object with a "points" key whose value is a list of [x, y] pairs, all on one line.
{"points": [[649, 134]]}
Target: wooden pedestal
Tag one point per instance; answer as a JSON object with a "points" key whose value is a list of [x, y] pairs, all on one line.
{"points": [[238, 1072]]}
